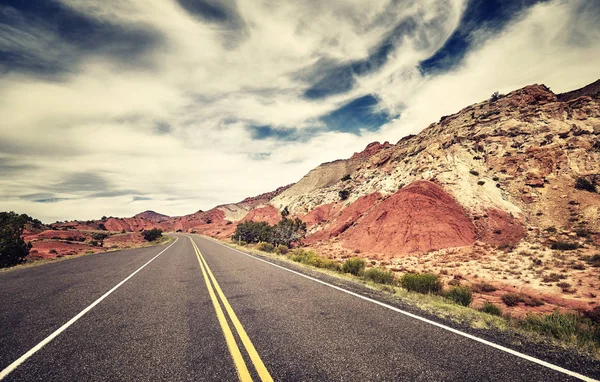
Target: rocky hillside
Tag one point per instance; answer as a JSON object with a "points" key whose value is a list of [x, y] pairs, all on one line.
{"points": [[492, 172]]}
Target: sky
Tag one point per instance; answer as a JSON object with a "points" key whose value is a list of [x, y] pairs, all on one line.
{"points": [[113, 107]]}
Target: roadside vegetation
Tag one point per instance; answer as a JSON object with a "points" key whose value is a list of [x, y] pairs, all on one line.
{"points": [[13, 249], [152, 235], [580, 332], [284, 233]]}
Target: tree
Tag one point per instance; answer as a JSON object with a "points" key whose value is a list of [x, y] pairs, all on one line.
{"points": [[13, 249], [99, 237], [288, 231], [253, 232], [285, 212], [495, 96], [153, 234]]}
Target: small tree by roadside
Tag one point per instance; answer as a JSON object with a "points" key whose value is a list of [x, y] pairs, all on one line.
{"points": [[13, 249], [153, 234]]}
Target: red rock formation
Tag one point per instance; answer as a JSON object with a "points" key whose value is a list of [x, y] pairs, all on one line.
{"points": [[267, 214], [418, 218], [498, 227]]}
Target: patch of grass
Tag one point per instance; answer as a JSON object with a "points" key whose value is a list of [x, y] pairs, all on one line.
{"points": [[553, 277], [531, 300], [460, 295], [565, 286], [379, 275], [483, 288], [281, 249], [492, 309], [312, 259], [511, 299], [567, 327], [355, 266], [594, 261], [421, 283], [265, 247]]}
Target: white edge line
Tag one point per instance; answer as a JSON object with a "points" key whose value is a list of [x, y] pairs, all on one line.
{"points": [[455, 331], [45, 341]]}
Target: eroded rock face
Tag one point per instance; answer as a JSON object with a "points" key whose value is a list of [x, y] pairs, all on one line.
{"points": [[419, 218]]}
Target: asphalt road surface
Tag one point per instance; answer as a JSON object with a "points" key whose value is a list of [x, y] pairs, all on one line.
{"points": [[200, 311]]}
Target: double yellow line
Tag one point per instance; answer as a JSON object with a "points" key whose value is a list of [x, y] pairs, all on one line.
{"points": [[238, 360]]}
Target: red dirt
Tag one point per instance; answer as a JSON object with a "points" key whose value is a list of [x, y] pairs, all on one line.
{"points": [[49, 234], [419, 218], [346, 217], [41, 249], [318, 215], [498, 227], [267, 214]]}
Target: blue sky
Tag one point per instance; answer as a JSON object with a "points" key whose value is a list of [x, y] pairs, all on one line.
{"points": [[112, 107]]}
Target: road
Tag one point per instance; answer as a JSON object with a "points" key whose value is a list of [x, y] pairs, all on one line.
{"points": [[200, 311]]}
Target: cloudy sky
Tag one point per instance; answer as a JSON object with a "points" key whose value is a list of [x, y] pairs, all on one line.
{"points": [[112, 107]]}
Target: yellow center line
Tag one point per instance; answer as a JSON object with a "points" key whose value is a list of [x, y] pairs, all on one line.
{"points": [[263, 373], [238, 360]]}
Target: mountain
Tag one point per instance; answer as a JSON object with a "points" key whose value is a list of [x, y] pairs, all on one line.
{"points": [[152, 216]]}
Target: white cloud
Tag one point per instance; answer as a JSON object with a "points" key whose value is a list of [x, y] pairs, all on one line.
{"points": [[208, 82]]}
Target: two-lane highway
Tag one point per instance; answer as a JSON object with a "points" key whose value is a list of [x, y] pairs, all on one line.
{"points": [[197, 310]]}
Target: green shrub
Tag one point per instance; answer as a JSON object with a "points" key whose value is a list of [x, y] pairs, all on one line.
{"points": [[281, 249], [355, 266], [346, 177], [379, 275], [13, 249], [492, 309], [564, 246], [584, 184], [265, 247], [531, 301], [344, 194], [511, 299], [253, 232], [421, 282], [151, 235], [564, 326], [460, 295], [595, 260], [310, 258], [474, 172], [100, 236], [483, 288]]}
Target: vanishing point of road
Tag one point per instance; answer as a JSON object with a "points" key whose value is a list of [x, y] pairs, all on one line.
{"points": [[196, 310]]}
